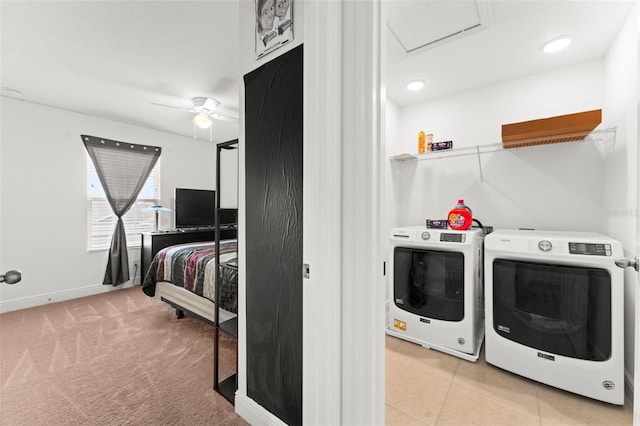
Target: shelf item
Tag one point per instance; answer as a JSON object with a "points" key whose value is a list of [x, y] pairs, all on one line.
{"points": [[562, 128], [403, 157]]}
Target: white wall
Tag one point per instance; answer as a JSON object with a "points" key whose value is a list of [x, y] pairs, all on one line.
{"points": [[43, 228], [620, 201], [393, 195], [550, 187]]}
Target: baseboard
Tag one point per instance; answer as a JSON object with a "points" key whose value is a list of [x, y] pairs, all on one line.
{"points": [[628, 387], [253, 413], [58, 296]]}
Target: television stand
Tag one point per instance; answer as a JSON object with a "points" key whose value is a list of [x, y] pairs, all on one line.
{"points": [[153, 242]]}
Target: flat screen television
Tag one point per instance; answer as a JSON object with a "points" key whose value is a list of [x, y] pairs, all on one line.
{"points": [[195, 208]]}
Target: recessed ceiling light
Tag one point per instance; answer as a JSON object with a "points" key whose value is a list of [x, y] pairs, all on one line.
{"points": [[415, 85], [556, 44]]}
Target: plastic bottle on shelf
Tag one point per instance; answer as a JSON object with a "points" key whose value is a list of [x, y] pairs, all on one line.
{"points": [[460, 217], [429, 142], [421, 142]]}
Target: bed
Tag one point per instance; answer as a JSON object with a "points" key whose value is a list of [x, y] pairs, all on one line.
{"points": [[184, 276]]}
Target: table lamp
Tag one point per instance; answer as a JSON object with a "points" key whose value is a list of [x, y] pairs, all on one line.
{"points": [[158, 209]]}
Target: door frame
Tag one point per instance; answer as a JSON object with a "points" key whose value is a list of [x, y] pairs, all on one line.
{"points": [[343, 296]]}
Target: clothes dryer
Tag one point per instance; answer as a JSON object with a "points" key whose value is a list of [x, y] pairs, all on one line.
{"points": [[554, 310], [435, 289]]}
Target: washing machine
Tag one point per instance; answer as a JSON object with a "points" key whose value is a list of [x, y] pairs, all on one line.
{"points": [[435, 296], [554, 310]]}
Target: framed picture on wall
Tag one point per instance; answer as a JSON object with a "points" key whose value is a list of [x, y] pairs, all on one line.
{"points": [[274, 24]]}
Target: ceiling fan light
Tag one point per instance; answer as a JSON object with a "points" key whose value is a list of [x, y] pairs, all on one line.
{"points": [[202, 121], [557, 44], [415, 85]]}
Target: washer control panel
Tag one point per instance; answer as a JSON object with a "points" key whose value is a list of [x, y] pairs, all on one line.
{"points": [[452, 238], [545, 245], [590, 249]]}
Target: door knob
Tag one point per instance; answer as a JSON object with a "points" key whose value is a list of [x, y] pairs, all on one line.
{"points": [[11, 277], [623, 262]]}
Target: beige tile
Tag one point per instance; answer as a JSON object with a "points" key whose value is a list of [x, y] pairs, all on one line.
{"points": [[395, 417], [417, 358], [392, 342], [509, 388], [415, 392], [465, 407], [558, 407]]}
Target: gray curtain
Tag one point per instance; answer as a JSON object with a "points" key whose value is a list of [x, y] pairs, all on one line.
{"points": [[123, 169]]}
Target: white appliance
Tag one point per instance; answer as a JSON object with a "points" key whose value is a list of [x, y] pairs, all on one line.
{"points": [[435, 289], [554, 310]]}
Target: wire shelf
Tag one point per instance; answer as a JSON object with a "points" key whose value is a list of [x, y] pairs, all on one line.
{"points": [[604, 139]]}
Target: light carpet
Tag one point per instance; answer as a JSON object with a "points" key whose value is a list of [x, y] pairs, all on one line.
{"points": [[118, 358]]}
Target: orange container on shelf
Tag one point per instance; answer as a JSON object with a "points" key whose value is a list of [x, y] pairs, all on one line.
{"points": [[460, 217], [421, 142]]}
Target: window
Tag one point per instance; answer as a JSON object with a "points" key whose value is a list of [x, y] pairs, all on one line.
{"points": [[100, 219]]}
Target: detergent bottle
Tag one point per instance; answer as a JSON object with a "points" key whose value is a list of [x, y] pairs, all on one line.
{"points": [[460, 217]]}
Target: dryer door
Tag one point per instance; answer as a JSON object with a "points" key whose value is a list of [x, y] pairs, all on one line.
{"points": [[564, 310], [429, 283]]}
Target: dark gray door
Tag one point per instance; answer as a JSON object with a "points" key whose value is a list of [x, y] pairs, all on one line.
{"points": [[273, 164]]}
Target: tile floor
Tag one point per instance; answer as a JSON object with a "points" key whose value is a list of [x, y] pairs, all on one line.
{"points": [[427, 387]]}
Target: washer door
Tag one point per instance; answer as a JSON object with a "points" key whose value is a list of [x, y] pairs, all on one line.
{"points": [[429, 283], [564, 310]]}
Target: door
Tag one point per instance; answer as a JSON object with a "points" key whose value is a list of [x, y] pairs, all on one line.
{"points": [[273, 223]]}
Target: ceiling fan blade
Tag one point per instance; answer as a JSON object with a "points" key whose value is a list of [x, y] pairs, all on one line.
{"points": [[223, 117], [210, 104], [172, 106]]}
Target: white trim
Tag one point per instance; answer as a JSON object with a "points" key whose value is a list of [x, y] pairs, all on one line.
{"points": [[322, 224], [58, 296], [363, 313], [254, 413], [242, 279], [633, 396]]}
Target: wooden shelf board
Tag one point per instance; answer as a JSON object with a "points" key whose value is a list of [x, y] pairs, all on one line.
{"points": [[562, 128]]}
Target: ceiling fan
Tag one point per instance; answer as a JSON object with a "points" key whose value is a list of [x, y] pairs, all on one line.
{"points": [[204, 108]]}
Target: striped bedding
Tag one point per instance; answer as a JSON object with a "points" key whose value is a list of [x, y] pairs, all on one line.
{"points": [[192, 266]]}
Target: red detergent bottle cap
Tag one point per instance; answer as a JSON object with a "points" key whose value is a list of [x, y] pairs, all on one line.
{"points": [[460, 217]]}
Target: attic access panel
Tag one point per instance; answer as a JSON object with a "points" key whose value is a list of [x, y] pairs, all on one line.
{"points": [[418, 24]]}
